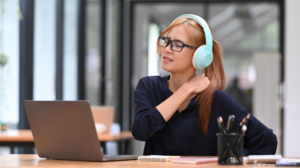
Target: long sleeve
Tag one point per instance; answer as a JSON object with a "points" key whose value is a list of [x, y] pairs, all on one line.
{"points": [[258, 139], [181, 134], [148, 121]]}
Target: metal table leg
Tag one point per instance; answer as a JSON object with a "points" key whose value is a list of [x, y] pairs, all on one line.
{"points": [[120, 147], [103, 145], [127, 147], [12, 151]]}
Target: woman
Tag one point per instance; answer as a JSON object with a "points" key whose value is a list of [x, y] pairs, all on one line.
{"points": [[177, 114]]}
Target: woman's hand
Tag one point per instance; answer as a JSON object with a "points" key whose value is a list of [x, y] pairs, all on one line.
{"points": [[198, 84]]}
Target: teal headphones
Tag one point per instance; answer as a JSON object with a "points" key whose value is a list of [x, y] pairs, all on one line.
{"points": [[203, 56]]}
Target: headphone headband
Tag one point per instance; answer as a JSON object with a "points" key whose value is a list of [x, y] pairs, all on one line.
{"points": [[204, 25], [203, 56]]}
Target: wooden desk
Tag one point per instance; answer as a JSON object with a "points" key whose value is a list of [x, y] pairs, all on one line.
{"points": [[31, 161], [24, 138]]}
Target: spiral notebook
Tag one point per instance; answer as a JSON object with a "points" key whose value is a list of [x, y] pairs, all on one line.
{"points": [[195, 160]]}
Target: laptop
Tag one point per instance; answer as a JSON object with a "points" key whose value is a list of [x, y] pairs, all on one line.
{"points": [[66, 130]]}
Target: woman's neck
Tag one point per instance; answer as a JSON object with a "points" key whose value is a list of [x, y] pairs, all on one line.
{"points": [[178, 79]]}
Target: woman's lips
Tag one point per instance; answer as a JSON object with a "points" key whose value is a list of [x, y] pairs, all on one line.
{"points": [[167, 59]]}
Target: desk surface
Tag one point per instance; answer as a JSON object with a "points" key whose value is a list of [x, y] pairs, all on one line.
{"points": [[26, 136], [31, 161]]}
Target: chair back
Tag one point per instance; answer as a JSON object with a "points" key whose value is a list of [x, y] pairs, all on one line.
{"points": [[103, 115]]}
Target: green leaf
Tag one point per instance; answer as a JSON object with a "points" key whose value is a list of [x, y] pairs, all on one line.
{"points": [[3, 59]]}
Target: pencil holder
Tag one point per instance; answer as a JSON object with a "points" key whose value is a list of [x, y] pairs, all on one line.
{"points": [[230, 149]]}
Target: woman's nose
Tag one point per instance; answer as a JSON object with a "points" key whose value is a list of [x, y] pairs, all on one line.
{"points": [[168, 48]]}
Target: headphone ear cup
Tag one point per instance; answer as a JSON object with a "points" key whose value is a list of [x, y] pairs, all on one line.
{"points": [[198, 54], [206, 60]]}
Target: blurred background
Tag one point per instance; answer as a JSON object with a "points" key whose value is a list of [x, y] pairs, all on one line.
{"points": [[97, 50]]}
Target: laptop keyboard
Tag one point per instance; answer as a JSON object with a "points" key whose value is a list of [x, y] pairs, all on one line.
{"points": [[114, 156]]}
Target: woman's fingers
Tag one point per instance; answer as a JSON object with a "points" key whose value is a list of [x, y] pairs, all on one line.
{"points": [[199, 83]]}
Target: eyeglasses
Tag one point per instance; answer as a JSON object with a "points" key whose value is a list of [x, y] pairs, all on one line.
{"points": [[176, 45]]}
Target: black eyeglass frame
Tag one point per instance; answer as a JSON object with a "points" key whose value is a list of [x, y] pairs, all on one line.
{"points": [[170, 42]]}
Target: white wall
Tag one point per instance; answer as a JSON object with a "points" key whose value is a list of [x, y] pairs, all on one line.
{"points": [[266, 97], [292, 78]]}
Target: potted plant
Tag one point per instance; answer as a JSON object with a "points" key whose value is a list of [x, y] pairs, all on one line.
{"points": [[3, 62]]}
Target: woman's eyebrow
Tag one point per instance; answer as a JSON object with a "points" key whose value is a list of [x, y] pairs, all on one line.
{"points": [[175, 39], [179, 40]]}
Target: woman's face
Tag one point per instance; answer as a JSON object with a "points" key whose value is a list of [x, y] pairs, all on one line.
{"points": [[173, 61]]}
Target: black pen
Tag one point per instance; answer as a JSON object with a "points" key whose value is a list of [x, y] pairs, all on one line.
{"points": [[230, 123]]}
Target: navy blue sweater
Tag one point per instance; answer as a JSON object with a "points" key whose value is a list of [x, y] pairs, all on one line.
{"points": [[181, 135]]}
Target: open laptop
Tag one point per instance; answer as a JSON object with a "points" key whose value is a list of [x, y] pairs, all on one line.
{"points": [[66, 130]]}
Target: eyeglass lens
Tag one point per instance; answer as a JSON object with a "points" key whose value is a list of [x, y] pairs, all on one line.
{"points": [[175, 45]]}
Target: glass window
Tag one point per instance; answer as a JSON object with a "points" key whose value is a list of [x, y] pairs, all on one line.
{"points": [[70, 50], [113, 56], [153, 59], [93, 32], [243, 30], [44, 50], [9, 69], [9, 73]]}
